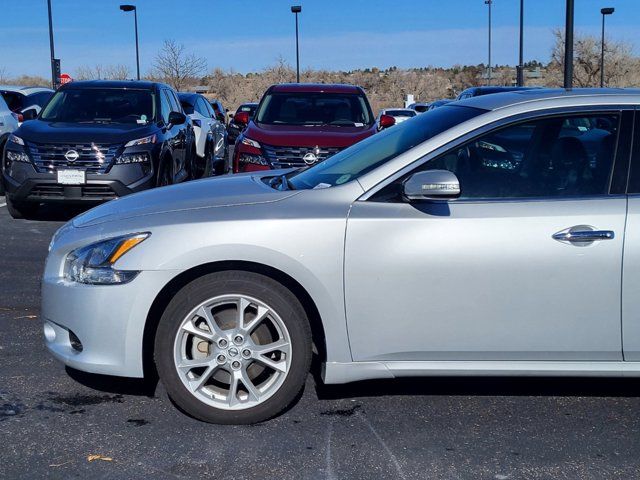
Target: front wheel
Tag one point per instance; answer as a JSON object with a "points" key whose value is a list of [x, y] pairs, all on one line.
{"points": [[233, 348]]}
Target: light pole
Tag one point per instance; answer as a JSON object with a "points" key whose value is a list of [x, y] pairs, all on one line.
{"points": [[297, 9], [54, 80], [568, 45], [129, 8], [604, 12], [489, 2], [520, 72]]}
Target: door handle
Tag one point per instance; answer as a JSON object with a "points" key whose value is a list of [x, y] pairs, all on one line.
{"points": [[583, 235]]}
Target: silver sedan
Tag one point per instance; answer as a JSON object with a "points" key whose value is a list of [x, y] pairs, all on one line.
{"points": [[491, 236]]}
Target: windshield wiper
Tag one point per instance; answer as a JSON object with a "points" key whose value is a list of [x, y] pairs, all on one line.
{"points": [[281, 183]]}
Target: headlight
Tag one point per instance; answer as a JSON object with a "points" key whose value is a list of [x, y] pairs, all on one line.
{"points": [[14, 139], [250, 143], [141, 141], [94, 264]]}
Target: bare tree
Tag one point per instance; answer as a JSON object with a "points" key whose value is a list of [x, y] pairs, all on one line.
{"points": [[4, 77], [177, 67], [619, 62], [108, 72]]}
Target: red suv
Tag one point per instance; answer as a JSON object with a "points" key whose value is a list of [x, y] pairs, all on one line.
{"points": [[298, 125]]}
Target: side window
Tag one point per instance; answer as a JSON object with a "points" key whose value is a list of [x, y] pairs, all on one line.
{"points": [[210, 111], [563, 156], [201, 108], [554, 157], [165, 106], [173, 100]]}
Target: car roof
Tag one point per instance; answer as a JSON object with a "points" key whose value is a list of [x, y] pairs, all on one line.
{"points": [[190, 96], [495, 101], [249, 104], [25, 90], [140, 84], [315, 88]]}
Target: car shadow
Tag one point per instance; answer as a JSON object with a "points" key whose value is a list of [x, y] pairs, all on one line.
{"points": [[484, 386], [111, 384], [58, 213]]}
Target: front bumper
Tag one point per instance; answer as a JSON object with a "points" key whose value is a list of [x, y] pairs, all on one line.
{"points": [[108, 320], [24, 184]]}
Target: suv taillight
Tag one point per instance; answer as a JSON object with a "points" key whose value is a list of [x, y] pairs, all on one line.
{"points": [[18, 116]]}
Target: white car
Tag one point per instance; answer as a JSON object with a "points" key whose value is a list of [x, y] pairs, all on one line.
{"points": [[210, 135], [8, 123], [25, 102], [399, 114]]}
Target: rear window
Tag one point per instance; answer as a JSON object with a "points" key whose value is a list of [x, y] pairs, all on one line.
{"points": [[14, 100], [339, 109], [401, 113]]}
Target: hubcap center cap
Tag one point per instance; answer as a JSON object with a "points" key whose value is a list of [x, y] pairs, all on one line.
{"points": [[233, 352]]}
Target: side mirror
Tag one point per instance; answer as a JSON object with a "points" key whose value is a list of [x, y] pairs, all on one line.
{"points": [[386, 121], [431, 185], [230, 114], [29, 114], [177, 118], [242, 119]]}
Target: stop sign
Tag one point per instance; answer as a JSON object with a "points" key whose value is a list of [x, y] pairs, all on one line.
{"points": [[65, 78]]}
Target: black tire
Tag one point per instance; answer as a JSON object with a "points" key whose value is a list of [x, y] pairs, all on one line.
{"points": [[261, 288], [165, 172], [21, 210]]}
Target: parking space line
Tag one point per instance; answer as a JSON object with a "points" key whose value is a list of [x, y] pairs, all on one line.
{"points": [[3, 205]]}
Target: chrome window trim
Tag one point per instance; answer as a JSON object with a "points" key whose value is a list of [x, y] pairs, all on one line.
{"points": [[615, 109]]}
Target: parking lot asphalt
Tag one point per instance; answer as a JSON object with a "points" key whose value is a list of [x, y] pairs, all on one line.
{"points": [[52, 420]]}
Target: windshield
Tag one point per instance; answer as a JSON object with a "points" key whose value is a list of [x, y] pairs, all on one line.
{"points": [[339, 109], [101, 105], [368, 154]]}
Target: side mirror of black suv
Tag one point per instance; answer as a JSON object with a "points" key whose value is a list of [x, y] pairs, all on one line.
{"points": [[177, 118]]}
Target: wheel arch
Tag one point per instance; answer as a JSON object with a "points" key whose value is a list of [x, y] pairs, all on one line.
{"points": [[165, 295]]}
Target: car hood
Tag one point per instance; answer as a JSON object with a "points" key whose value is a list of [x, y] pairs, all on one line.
{"points": [[61, 132], [226, 191], [301, 136]]}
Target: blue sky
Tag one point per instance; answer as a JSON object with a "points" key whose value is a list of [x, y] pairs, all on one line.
{"points": [[247, 35]]}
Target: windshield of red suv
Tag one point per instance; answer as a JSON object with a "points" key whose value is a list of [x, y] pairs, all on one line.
{"points": [[101, 105], [372, 152], [300, 108]]}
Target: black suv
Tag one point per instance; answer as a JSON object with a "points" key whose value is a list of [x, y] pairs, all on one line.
{"points": [[95, 141]]}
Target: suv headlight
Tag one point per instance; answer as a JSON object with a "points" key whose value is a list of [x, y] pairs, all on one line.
{"points": [[15, 139], [93, 264], [251, 143], [141, 141]]}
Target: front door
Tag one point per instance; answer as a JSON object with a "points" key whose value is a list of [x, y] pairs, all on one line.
{"points": [[497, 274]]}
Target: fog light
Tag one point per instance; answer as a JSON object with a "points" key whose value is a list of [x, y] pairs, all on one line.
{"points": [[16, 157], [133, 158], [75, 342], [253, 159]]}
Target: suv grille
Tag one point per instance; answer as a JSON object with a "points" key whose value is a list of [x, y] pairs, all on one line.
{"points": [[92, 157], [286, 157]]}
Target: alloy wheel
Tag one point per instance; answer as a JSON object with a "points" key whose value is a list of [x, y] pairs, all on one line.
{"points": [[232, 352]]}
